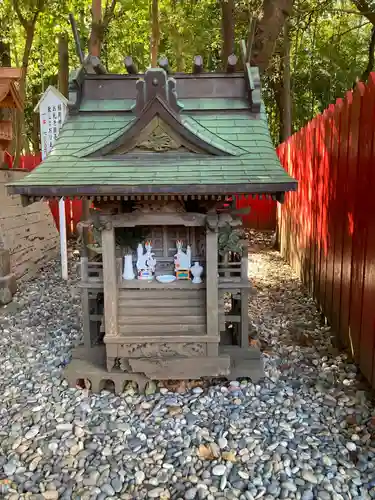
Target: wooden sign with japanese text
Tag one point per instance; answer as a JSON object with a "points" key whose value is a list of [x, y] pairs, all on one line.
{"points": [[52, 110]]}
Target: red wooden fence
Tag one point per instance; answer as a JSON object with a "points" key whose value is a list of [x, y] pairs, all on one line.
{"points": [[262, 214], [327, 228]]}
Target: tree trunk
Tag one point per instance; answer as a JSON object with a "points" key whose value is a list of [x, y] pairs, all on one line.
{"points": [[63, 51], [366, 9], [96, 35], [275, 13], [99, 25], [370, 62], [20, 134], [286, 87], [5, 59], [155, 33], [227, 27], [35, 132]]}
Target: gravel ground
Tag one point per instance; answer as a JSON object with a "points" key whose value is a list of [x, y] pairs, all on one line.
{"points": [[306, 431]]}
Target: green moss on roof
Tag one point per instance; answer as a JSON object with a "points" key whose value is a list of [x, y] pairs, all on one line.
{"points": [[67, 171], [244, 136]]}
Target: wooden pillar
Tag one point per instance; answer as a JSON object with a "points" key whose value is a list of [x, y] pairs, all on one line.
{"points": [[86, 203], [244, 341], [85, 304], [110, 281], [212, 284], [63, 239]]}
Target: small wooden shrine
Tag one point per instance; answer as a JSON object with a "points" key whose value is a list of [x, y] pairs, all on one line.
{"points": [[9, 99], [164, 275]]}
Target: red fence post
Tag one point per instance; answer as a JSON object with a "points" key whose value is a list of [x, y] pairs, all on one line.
{"points": [[336, 221], [330, 209], [346, 328], [367, 344]]}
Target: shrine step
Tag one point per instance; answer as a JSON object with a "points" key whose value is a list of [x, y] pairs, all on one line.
{"points": [[151, 302], [148, 318], [137, 310], [161, 292], [139, 328], [145, 302]]}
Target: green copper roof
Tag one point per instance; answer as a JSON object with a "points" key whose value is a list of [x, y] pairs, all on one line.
{"points": [[248, 164]]}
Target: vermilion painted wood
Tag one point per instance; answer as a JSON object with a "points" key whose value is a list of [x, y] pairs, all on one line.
{"points": [[367, 346], [366, 212], [364, 147], [339, 154], [320, 285], [324, 208], [262, 214], [302, 201], [344, 165], [348, 225], [314, 207], [331, 209], [308, 206], [283, 151], [338, 216], [8, 159]]}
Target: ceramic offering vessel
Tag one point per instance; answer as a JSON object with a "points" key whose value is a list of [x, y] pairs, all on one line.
{"points": [[128, 273], [196, 272]]}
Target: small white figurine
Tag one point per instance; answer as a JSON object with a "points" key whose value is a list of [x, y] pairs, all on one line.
{"points": [[150, 257], [182, 260], [146, 263]]}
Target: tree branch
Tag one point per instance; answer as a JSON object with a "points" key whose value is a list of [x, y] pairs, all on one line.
{"points": [[19, 14], [39, 9], [268, 29], [338, 35], [370, 63], [108, 14], [364, 7]]}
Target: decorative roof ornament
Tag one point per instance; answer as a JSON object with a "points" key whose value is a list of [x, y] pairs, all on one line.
{"points": [[156, 85]]}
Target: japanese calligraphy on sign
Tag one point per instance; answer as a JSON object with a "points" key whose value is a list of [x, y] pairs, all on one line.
{"points": [[52, 110]]}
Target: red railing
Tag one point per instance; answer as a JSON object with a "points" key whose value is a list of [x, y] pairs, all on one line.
{"points": [[327, 228]]}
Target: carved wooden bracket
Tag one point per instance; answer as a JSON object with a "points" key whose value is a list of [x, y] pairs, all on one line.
{"points": [[156, 85]]}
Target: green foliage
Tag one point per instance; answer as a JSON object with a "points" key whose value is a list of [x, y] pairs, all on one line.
{"points": [[231, 239], [129, 238], [329, 51], [126, 238]]}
